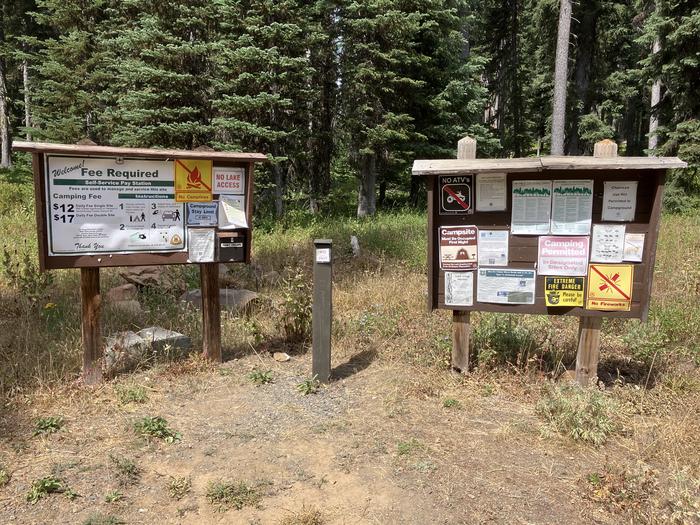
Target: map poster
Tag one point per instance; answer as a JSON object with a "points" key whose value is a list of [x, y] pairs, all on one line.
{"points": [[563, 291], [459, 288], [505, 286], [608, 243], [562, 255], [109, 205], [193, 180], [493, 247], [491, 192], [532, 207], [202, 213], [229, 180], [619, 201], [458, 248], [610, 287], [202, 245], [572, 207]]}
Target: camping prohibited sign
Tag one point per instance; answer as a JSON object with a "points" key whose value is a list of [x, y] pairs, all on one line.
{"points": [[610, 287], [456, 195]]}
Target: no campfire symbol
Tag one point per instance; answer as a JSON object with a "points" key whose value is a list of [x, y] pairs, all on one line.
{"points": [[456, 195]]}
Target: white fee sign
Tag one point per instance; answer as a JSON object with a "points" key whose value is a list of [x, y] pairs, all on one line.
{"points": [[110, 205]]}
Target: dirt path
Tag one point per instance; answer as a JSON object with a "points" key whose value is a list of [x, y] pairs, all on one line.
{"points": [[377, 446]]}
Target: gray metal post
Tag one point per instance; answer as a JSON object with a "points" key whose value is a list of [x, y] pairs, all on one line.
{"points": [[322, 309]]}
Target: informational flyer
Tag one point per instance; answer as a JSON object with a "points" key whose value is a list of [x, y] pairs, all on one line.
{"points": [[559, 255], [610, 287], [563, 291], [493, 247], [491, 192], [619, 201], [505, 286], [458, 248], [532, 206], [572, 207], [202, 213], [202, 245], [109, 205], [193, 180], [229, 180], [232, 212], [608, 243], [634, 247], [459, 288]]}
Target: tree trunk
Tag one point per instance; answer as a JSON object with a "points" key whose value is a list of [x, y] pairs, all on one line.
{"points": [[25, 85], [280, 183], [5, 137], [367, 198], [585, 49], [655, 99], [560, 75]]}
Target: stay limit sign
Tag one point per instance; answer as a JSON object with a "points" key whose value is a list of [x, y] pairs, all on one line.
{"points": [[456, 194]]}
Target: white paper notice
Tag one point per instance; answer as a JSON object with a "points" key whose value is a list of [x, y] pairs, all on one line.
{"points": [[619, 201], [493, 248], [229, 180], [102, 205], [608, 243], [572, 207], [232, 213], [634, 247], [459, 288], [491, 192], [532, 206], [201, 244], [506, 286]]}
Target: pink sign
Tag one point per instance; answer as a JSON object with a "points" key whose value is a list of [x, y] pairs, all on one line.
{"points": [[563, 255]]}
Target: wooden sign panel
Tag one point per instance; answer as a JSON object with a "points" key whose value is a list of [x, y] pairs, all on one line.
{"points": [[101, 206], [537, 253]]}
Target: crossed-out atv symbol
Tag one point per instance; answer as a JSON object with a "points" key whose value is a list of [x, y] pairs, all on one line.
{"points": [[450, 199]]}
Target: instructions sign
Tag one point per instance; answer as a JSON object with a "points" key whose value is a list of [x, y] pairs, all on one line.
{"points": [[506, 286], [456, 195], [619, 201], [610, 287], [532, 207], [109, 205], [608, 243], [193, 180], [493, 247], [232, 213], [562, 255], [572, 207], [229, 181], [202, 245], [458, 248], [491, 192], [202, 213], [563, 291]]}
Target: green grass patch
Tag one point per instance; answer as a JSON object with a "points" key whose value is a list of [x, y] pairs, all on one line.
{"points": [[130, 394], [48, 425], [179, 487], [49, 485], [308, 386], [260, 377], [103, 519], [156, 428], [232, 494]]}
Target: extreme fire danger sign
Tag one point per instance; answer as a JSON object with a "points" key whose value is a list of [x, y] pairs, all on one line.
{"points": [[610, 287], [456, 195]]}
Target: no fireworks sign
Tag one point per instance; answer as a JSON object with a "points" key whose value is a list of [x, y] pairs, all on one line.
{"points": [[456, 195]]}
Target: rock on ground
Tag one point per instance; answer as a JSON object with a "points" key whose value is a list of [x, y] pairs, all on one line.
{"points": [[231, 300]]}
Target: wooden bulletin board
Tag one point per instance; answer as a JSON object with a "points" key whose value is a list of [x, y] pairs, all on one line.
{"points": [[649, 173], [41, 152]]}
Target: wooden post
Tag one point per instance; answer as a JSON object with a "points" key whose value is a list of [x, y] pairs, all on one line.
{"points": [[588, 352], [322, 312], [461, 326], [211, 311], [91, 303]]}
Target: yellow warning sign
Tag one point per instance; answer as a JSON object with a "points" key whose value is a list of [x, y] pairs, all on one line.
{"points": [[610, 287], [563, 291], [193, 180]]}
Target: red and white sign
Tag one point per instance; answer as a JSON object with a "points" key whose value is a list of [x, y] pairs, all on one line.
{"points": [[563, 256], [458, 245], [230, 181]]}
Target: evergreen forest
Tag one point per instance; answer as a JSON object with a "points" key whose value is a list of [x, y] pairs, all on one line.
{"points": [[343, 95]]}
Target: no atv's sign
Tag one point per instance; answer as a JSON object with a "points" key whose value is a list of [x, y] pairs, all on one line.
{"points": [[456, 195]]}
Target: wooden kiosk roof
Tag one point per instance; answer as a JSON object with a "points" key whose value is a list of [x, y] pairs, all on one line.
{"points": [[98, 151], [542, 164]]}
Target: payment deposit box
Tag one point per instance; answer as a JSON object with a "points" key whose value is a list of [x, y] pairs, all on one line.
{"points": [[231, 246]]}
